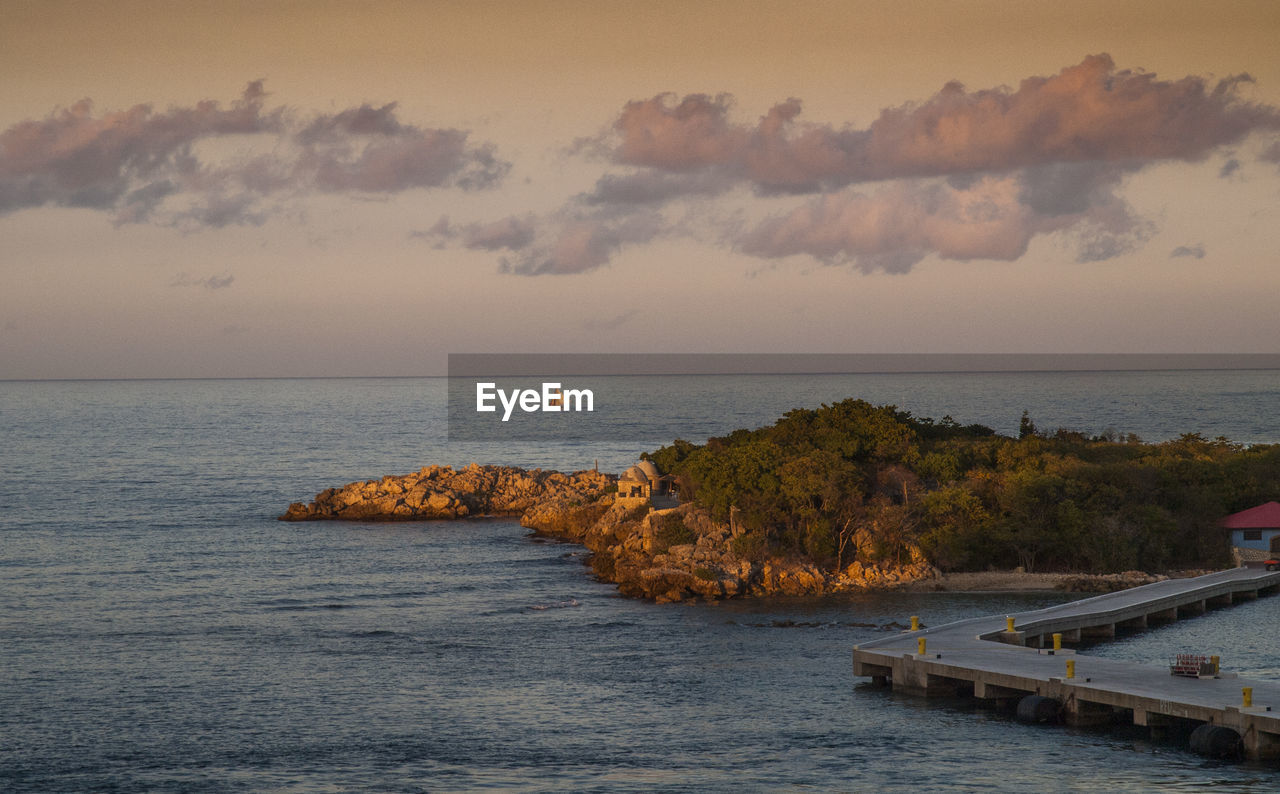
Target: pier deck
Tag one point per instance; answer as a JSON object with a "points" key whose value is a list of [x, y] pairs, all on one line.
{"points": [[981, 656]]}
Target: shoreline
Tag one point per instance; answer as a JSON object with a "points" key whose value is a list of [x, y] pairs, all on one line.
{"points": [[669, 554], [1022, 581], [991, 582], [666, 554]]}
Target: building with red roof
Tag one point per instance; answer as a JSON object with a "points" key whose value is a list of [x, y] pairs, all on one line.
{"points": [[1255, 533]]}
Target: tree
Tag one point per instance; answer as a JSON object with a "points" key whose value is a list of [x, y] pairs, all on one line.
{"points": [[1026, 427], [820, 480]]}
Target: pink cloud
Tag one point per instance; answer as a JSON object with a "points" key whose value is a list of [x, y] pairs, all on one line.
{"points": [[582, 244], [687, 134], [895, 227], [131, 162], [966, 174], [511, 232], [1088, 112]]}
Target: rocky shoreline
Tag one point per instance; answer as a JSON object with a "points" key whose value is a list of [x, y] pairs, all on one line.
{"points": [[682, 552], [666, 555], [1021, 581], [440, 493]]}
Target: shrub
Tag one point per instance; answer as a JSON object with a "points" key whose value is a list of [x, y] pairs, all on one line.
{"points": [[636, 513], [671, 531], [750, 546]]}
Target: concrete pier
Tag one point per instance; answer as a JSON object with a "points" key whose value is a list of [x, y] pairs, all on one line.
{"points": [[983, 658]]}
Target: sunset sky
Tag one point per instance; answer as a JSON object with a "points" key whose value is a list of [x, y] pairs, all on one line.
{"points": [[247, 189]]}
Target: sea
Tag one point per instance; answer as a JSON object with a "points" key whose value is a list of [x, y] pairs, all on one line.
{"points": [[161, 631]]}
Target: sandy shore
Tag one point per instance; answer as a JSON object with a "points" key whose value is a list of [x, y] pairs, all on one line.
{"points": [[992, 580], [989, 581]]}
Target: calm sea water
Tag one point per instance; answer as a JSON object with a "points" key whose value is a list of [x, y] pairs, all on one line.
{"points": [[159, 630]]}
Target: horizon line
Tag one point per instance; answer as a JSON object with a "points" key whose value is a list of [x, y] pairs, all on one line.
{"points": [[718, 364]]}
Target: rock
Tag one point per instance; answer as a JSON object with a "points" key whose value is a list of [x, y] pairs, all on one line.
{"points": [[565, 518], [439, 492], [681, 552], [297, 512], [627, 548], [1106, 583]]}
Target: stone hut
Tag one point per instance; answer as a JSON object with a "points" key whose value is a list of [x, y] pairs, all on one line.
{"points": [[635, 483], [642, 482]]}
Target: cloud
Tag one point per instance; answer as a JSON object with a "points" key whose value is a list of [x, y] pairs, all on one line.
{"points": [[140, 204], [1090, 112], [211, 283], [896, 227], [217, 210], [512, 233], [650, 187], [405, 158], [1067, 188], [584, 243], [992, 217], [1195, 251], [965, 174], [1097, 244], [962, 175], [439, 235], [567, 241], [75, 158], [144, 165], [690, 133]]}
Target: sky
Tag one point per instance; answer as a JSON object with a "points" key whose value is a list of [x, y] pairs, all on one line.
{"points": [[305, 189]]}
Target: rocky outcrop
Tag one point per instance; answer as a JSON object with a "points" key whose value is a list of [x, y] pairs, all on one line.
{"points": [[666, 555], [682, 553], [440, 492]]}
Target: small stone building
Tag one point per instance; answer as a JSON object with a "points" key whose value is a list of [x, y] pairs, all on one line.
{"points": [[642, 482], [1255, 533], [634, 483]]}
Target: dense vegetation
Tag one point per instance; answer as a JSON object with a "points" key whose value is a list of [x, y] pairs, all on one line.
{"points": [[969, 498]]}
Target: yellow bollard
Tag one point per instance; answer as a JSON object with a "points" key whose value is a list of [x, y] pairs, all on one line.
{"points": [[1071, 668], [1057, 642], [1248, 696], [915, 622], [1215, 661], [920, 645], [1009, 624]]}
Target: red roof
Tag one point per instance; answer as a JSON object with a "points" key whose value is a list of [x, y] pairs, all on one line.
{"points": [[1265, 516]]}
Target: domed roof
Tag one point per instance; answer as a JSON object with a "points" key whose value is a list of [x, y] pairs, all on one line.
{"points": [[634, 473], [650, 470]]}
